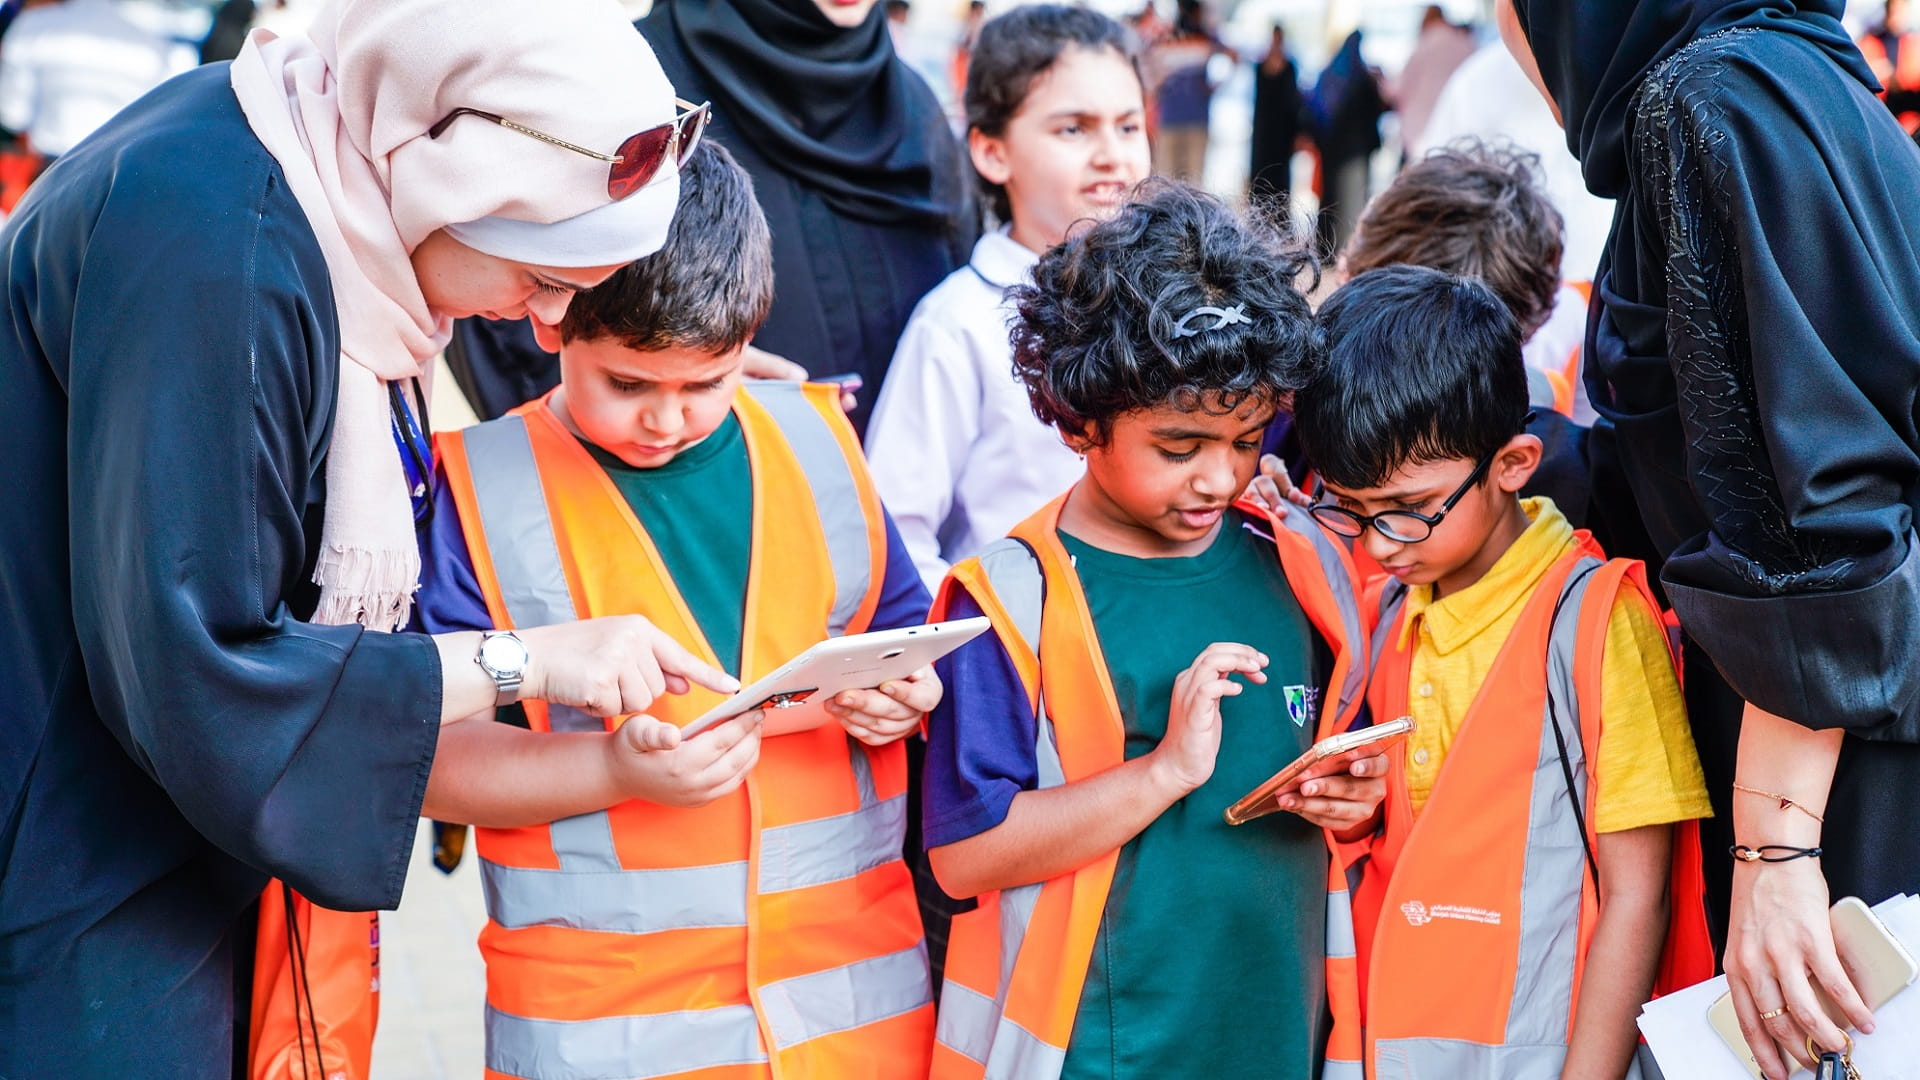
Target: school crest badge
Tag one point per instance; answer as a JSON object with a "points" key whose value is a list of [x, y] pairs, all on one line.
{"points": [[1303, 703]]}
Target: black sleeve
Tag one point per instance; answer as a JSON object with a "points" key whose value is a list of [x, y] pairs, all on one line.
{"points": [[1789, 239], [201, 385]]}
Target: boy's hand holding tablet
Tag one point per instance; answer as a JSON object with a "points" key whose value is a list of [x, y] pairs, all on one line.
{"points": [[649, 760], [891, 711]]}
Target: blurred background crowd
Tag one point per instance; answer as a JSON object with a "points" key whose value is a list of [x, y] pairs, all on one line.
{"points": [[1319, 101]]}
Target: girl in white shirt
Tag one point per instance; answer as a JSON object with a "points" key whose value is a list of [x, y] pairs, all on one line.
{"points": [[1056, 128]]}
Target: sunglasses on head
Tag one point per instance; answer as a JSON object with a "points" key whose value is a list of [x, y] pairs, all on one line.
{"points": [[639, 158]]}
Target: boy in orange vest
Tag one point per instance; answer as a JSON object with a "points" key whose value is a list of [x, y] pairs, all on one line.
{"points": [[1157, 653], [1512, 909], [721, 906]]}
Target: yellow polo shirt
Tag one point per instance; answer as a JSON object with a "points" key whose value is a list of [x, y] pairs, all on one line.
{"points": [[1652, 772]]}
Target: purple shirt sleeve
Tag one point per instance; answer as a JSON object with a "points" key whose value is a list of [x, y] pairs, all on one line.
{"points": [[449, 598], [980, 739], [903, 596]]}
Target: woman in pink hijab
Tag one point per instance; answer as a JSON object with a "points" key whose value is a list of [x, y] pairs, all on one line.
{"points": [[220, 313]]}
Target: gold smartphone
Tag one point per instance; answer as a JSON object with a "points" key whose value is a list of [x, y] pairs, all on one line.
{"points": [[1874, 959], [1328, 756]]}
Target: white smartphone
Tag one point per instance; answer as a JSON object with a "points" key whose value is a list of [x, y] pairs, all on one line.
{"points": [[794, 693], [1878, 965], [1328, 756]]}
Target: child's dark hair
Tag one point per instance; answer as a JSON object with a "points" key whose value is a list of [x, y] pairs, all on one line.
{"points": [[1414, 365], [708, 289], [1110, 323], [1470, 209], [1015, 49]]}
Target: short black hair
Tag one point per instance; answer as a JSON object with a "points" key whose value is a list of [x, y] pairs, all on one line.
{"points": [[1096, 337], [1013, 50], [1413, 365], [709, 288]]}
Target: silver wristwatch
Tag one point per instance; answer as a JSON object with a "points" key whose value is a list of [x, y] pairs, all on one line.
{"points": [[503, 656]]}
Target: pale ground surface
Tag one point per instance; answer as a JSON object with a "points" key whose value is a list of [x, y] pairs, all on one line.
{"points": [[432, 983]]}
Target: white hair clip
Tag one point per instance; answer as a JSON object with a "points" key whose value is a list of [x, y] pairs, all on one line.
{"points": [[1226, 316]]}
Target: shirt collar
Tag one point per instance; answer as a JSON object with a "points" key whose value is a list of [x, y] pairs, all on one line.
{"points": [[1452, 621], [1001, 261]]}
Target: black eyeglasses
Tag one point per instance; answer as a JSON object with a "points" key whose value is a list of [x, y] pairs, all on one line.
{"points": [[1400, 526], [639, 158]]}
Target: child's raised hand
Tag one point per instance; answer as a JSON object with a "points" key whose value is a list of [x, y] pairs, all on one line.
{"points": [[1184, 759], [655, 765], [1273, 489], [1342, 802], [878, 717]]}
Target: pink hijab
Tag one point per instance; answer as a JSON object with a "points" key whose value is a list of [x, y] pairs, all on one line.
{"points": [[345, 111]]}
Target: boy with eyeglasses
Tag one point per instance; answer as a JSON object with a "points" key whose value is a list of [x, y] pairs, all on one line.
{"points": [[1511, 914]]}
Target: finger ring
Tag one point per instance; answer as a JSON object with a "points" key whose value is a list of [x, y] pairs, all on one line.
{"points": [[1781, 1011]]}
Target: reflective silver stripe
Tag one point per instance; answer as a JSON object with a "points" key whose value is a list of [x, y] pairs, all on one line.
{"points": [[617, 902], [1333, 1069], [567, 718], [862, 768], [843, 998], [1556, 867], [1540, 393], [836, 495], [1341, 582], [1340, 943], [520, 539], [835, 848], [965, 1021], [1393, 600], [659, 1045], [584, 843], [1016, 914], [519, 532], [1456, 1059], [1018, 585], [969, 1022]]}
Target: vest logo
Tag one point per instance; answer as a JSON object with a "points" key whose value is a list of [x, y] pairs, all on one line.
{"points": [[1303, 702], [1419, 914]]}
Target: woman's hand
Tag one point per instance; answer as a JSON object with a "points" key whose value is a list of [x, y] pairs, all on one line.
{"points": [[613, 665], [1780, 935], [878, 717], [684, 774], [1273, 489], [1344, 803], [1779, 942]]}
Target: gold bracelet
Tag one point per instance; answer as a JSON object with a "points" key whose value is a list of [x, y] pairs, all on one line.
{"points": [[1785, 803]]}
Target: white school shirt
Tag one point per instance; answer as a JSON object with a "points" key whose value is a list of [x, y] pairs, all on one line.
{"points": [[67, 68], [954, 447], [1552, 345]]}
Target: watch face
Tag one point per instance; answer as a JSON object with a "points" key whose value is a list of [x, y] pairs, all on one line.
{"points": [[503, 655]]}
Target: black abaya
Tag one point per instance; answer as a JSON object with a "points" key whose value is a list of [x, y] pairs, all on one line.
{"points": [[1755, 358]]}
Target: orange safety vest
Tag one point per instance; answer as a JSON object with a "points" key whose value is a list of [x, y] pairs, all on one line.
{"points": [[772, 932], [1564, 381], [1907, 76], [1016, 964], [316, 990], [1475, 918]]}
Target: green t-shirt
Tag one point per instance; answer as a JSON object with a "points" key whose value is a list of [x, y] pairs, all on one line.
{"points": [[698, 510], [1210, 958]]}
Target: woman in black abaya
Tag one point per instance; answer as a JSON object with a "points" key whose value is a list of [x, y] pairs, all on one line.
{"points": [[861, 178], [1755, 358]]}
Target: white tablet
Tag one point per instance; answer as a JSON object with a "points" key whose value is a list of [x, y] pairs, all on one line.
{"points": [[794, 693]]}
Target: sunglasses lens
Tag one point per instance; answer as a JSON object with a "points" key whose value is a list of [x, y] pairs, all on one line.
{"points": [[640, 158]]}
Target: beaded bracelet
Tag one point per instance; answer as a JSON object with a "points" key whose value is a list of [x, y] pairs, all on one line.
{"points": [[1743, 853]]}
